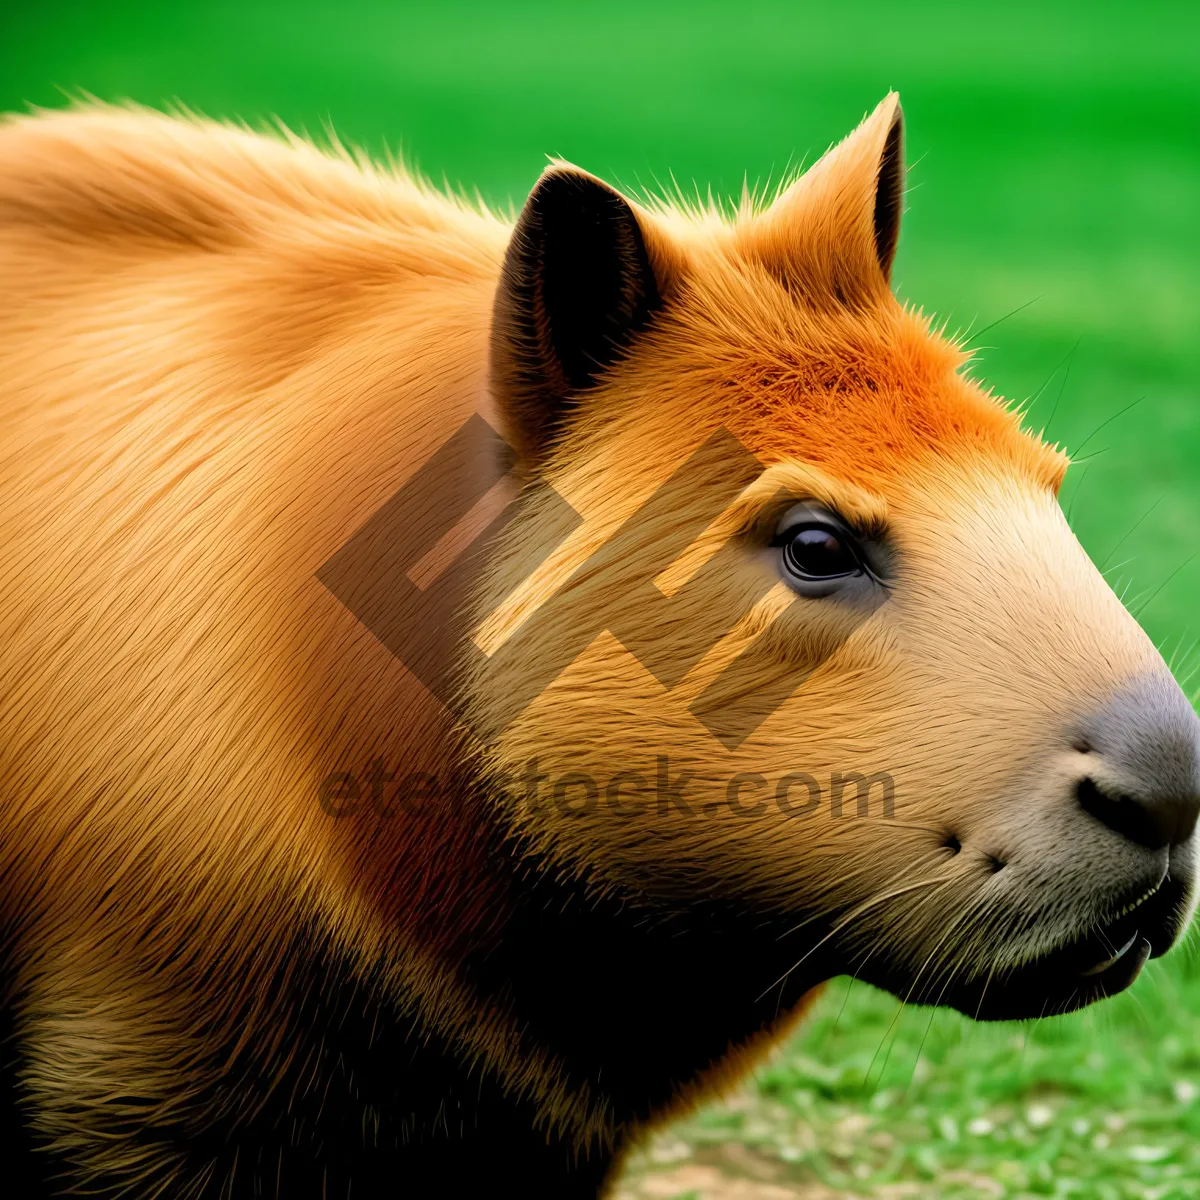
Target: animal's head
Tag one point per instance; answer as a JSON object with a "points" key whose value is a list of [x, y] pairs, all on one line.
{"points": [[823, 644]]}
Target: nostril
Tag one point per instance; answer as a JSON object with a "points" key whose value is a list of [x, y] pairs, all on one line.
{"points": [[997, 864], [1155, 822], [952, 844], [1146, 735]]}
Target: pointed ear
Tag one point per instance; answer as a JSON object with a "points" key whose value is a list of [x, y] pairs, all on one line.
{"points": [[578, 285], [834, 231]]}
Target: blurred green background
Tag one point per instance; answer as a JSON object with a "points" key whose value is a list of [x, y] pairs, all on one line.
{"points": [[1055, 189]]}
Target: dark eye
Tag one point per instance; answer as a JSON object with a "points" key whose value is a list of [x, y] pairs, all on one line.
{"points": [[818, 552]]}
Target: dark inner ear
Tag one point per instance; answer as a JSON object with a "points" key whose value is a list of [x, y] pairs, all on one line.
{"points": [[577, 286], [889, 195]]}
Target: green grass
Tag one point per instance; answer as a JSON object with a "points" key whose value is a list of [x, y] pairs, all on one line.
{"points": [[1102, 1104], [1055, 164]]}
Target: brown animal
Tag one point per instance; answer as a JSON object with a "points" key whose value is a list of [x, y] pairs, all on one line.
{"points": [[851, 698]]}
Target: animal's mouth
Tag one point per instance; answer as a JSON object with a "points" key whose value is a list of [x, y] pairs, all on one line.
{"points": [[1101, 963]]}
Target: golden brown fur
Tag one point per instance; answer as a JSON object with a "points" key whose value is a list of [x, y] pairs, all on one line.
{"points": [[219, 355]]}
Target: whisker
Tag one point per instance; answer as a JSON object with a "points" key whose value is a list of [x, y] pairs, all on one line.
{"points": [[1105, 424], [871, 1065], [1075, 494], [905, 1000], [1136, 526], [1067, 360], [866, 906], [987, 983], [1020, 308], [1186, 562]]}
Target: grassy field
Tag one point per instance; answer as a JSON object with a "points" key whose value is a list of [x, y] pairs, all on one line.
{"points": [[1055, 186]]}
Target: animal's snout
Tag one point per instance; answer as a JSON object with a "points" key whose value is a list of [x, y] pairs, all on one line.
{"points": [[1141, 770]]}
